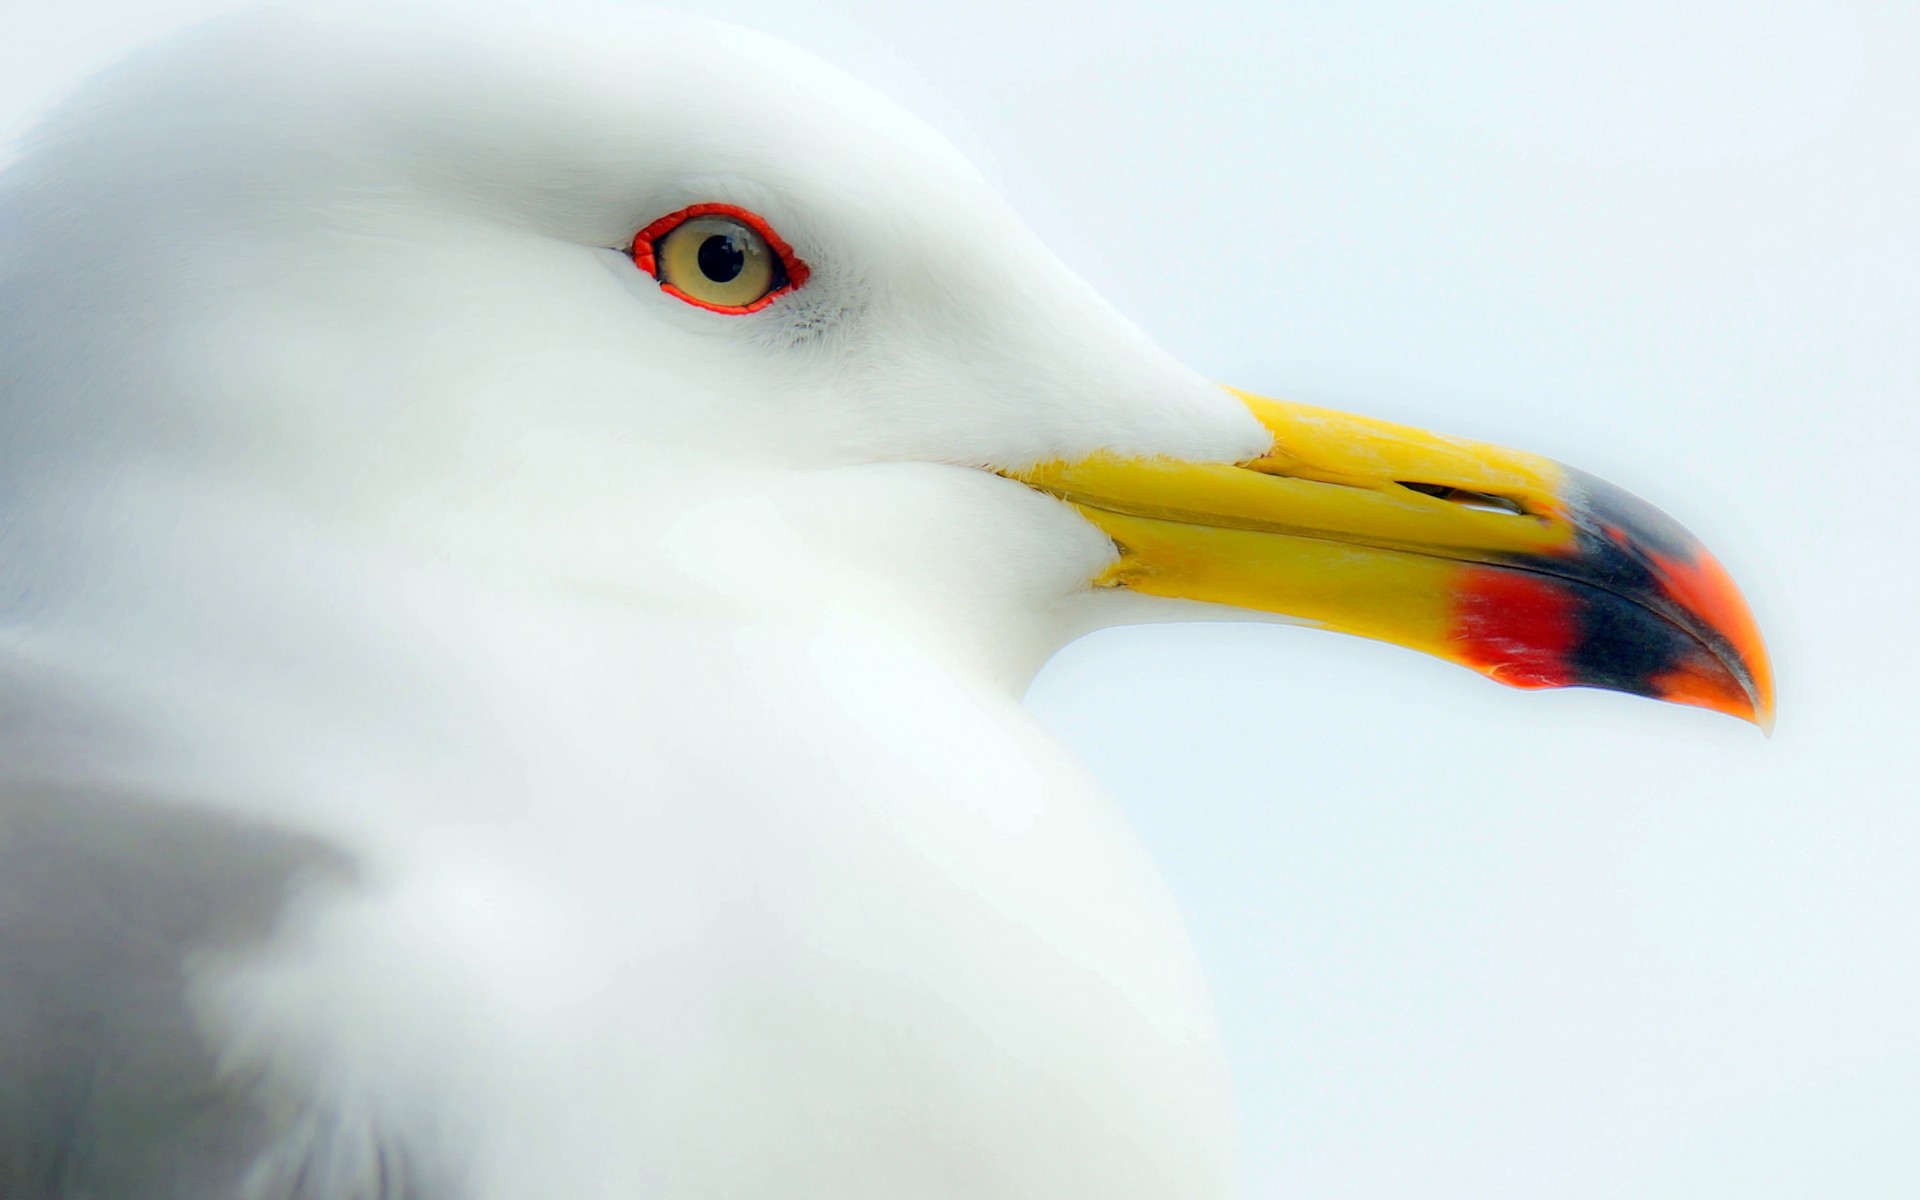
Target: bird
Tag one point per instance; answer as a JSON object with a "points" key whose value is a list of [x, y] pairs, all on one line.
{"points": [[521, 543]]}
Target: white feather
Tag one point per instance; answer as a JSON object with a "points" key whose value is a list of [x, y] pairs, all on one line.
{"points": [[658, 669]]}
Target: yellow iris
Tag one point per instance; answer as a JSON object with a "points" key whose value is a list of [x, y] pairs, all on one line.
{"points": [[719, 261]]}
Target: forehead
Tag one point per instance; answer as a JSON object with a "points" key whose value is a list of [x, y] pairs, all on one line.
{"points": [[553, 112]]}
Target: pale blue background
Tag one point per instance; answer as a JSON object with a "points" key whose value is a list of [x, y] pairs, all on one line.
{"points": [[1469, 942]]}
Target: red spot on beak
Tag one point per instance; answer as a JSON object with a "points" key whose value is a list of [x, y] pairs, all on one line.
{"points": [[1516, 628]]}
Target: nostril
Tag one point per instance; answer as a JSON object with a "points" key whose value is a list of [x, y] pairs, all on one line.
{"points": [[1478, 501]]}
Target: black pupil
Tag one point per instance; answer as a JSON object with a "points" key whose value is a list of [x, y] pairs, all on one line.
{"points": [[722, 257]]}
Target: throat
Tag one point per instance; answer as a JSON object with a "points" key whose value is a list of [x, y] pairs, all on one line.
{"points": [[462, 642]]}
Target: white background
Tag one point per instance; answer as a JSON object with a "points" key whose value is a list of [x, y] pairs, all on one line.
{"points": [[1469, 942]]}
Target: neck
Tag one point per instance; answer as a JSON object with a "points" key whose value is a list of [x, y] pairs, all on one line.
{"points": [[216, 623]]}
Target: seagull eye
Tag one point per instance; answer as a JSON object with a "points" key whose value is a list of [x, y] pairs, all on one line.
{"points": [[719, 257]]}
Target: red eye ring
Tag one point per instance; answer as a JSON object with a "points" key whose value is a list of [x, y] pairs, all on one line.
{"points": [[791, 265]]}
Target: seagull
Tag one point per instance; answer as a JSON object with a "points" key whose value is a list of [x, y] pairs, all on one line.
{"points": [[521, 543]]}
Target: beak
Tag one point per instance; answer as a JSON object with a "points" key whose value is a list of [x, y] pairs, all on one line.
{"points": [[1532, 573]]}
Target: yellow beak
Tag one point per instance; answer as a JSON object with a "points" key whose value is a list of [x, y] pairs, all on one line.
{"points": [[1530, 572]]}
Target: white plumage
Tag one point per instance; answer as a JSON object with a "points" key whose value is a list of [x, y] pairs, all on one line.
{"points": [[640, 683]]}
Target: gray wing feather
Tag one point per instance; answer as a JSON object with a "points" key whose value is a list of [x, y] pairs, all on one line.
{"points": [[108, 1088]]}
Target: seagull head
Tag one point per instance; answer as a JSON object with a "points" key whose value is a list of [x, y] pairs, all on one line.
{"points": [[664, 304]]}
